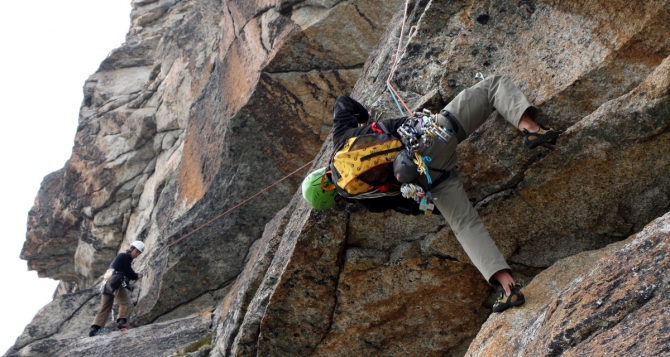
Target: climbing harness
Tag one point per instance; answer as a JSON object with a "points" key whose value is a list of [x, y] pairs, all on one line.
{"points": [[419, 131]]}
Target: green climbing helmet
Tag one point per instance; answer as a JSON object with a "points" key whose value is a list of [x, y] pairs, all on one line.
{"points": [[318, 191]]}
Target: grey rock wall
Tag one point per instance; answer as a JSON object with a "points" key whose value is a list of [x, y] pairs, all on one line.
{"points": [[206, 103], [210, 101]]}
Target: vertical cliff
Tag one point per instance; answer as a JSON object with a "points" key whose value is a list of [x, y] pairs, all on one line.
{"points": [[208, 102]]}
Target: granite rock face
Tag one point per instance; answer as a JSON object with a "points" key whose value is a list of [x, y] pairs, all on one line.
{"points": [[160, 339], [208, 102], [616, 307]]}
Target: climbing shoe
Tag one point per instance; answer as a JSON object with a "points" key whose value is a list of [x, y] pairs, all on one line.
{"points": [[122, 323], [545, 137], [515, 298], [94, 330]]}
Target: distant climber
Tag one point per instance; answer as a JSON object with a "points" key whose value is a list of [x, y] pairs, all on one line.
{"points": [[116, 280], [421, 174]]}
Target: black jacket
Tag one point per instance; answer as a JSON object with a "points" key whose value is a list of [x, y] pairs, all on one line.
{"points": [[122, 269], [122, 264]]}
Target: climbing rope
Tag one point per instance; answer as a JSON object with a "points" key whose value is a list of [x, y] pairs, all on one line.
{"points": [[153, 260], [394, 94], [420, 162]]}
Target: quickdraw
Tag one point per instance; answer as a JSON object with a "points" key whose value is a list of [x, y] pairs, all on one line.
{"points": [[418, 132], [412, 191]]}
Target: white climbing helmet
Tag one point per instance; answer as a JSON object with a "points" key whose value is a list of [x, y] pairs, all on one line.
{"points": [[137, 245]]}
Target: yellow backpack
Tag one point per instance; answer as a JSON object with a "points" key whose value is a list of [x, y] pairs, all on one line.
{"points": [[363, 167]]}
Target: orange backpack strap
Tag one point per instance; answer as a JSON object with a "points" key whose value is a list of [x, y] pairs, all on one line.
{"points": [[323, 182]]}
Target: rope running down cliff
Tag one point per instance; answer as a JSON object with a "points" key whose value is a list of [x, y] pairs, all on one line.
{"points": [[394, 94], [153, 260]]}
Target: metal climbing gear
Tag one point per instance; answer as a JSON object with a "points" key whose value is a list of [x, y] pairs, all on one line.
{"points": [[417, 193], [418, 132], [412, 191]]}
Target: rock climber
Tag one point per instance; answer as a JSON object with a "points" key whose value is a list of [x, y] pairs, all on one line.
{"points": [[116, 277], [461, 117]]}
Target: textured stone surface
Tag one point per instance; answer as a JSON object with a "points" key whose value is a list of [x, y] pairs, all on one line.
{"points": [[617, 307], [68, 316], [418, 307], [500, 328], [160, 339], [299, 310], [51, 257], [250, 127], [210, 101], [134, 110], [132, 158], [238, 321]]}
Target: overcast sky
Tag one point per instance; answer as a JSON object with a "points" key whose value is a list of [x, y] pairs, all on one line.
{"points": [[49, 48]]}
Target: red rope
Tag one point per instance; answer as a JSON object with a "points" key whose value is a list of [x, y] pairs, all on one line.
{"points": [[228, 211]]}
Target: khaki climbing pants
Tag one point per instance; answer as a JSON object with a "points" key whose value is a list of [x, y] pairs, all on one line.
{"points": [[470, 109], [106, 306]]}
